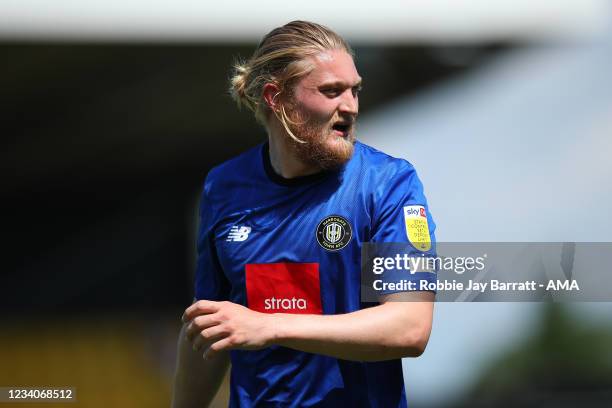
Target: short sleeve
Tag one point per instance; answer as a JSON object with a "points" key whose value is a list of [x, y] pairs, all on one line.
{"points": [[401, 212], [210, 281], [402, 216]]}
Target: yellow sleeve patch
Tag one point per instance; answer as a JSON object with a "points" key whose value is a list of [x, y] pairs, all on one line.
{"points": [[417, 229]]}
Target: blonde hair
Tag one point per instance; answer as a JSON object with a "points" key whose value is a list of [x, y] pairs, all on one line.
{"points": [[281, 58]]}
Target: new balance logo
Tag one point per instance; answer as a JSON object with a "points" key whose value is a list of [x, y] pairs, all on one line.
{"points": [[238, 233]]}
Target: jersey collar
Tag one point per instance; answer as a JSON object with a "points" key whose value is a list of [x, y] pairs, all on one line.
{"points": [[289, 182]]}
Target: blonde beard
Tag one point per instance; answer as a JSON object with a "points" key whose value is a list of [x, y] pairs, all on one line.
{"points": [[322, 148]]}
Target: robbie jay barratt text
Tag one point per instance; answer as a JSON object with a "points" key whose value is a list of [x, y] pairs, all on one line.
{"points": [[493, 285]]}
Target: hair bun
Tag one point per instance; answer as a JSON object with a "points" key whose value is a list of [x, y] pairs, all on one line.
{"points": [[239, 82]]}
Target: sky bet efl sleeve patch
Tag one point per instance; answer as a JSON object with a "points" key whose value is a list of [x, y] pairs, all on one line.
{"points": [[417, 229]]}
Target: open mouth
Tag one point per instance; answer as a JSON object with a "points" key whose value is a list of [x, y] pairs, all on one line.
{"points": [[342, 127]]}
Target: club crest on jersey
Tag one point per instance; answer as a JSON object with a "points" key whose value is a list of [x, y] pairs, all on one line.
{"points": [[334, 232], [417, 229]]}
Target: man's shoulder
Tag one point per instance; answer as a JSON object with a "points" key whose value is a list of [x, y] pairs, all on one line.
{"points": [[237, 170], [236, 165], [383, 164]]}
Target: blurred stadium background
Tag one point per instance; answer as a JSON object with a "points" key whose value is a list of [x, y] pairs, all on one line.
{"points": [[113, 112]]}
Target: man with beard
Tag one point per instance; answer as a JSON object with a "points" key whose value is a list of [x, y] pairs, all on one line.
{"points": [[282, 226]]}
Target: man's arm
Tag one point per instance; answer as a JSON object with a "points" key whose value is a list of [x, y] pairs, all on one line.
{"points": [[196, 380], [393, 329]]}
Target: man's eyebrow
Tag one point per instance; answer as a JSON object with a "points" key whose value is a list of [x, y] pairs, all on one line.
{"points": [[340, 84]]}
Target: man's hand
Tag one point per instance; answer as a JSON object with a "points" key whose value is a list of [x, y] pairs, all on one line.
{"points": [[218, 326]]}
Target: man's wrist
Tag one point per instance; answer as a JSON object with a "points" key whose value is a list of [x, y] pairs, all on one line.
{"points": [[277, 328]]}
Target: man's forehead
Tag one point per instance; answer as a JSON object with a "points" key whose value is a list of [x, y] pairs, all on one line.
{"points": [[333, 67]]}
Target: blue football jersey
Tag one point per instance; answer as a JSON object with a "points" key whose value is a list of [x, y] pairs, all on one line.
{"points": [[280, 245]]}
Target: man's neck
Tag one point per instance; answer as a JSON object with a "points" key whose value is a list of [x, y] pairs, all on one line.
{"points": [[284, 159]]}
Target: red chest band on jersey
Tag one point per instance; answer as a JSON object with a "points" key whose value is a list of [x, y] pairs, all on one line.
{"points": [[284, 287]]}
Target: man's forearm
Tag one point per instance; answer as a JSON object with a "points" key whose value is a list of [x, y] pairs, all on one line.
{"points": [[388, 331], [196, 380], [399, 327]]}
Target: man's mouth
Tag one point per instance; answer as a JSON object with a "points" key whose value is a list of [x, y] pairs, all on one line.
{"points": [[342, 128]]}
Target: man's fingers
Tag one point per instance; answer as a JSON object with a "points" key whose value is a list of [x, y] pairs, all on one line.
{"points": [[223, 344], [208, 336], [198, 324], [198, 308]]}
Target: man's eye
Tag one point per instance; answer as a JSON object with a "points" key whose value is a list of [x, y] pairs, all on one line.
{"points": [[331, 92], [356, 90]]}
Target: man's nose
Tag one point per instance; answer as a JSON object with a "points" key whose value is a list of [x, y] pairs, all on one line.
{"points": [[349, 103]]}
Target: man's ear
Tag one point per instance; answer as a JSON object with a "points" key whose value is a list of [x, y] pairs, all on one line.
{"points": [[271, 93]]}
